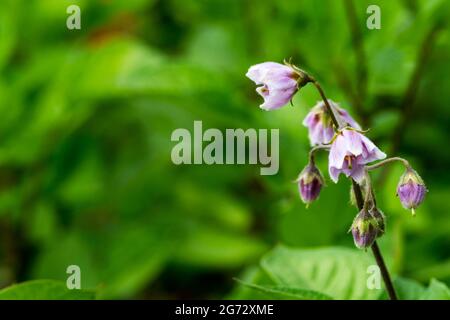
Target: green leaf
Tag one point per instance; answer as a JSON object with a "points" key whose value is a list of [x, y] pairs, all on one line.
{"points": [[253, 275], [338, 272], [280, 292], [436, 291], [44, 290]]}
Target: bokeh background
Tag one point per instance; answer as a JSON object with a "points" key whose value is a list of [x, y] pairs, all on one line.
{"points": [[86, 118]]}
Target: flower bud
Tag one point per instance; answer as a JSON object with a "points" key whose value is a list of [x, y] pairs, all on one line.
{"points": [[379, 217], [411, 190], [310, 182], [365, 229]]}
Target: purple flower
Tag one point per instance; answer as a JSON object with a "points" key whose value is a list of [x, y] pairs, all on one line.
{"points": [[349, 153], [320, 125], [411, 190], [365, 229], [278, 83], [310, 182]]}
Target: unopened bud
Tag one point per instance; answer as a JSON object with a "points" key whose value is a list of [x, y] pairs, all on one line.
{"points": [[379, 217], [310, 182], [411, 190], [365, 229]]}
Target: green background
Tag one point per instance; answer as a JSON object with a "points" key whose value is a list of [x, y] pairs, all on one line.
{"points": [[86, 176]]}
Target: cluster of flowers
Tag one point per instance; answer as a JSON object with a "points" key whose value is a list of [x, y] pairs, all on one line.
{"points": [[350, 150]]}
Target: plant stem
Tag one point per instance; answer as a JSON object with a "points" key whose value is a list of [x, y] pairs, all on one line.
{"points": [[384, 271], [375, 250], [386, 161], [370, 198], [313, 151], [334, 117], [359, 199]]}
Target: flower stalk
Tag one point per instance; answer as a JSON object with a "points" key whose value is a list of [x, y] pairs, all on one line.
{"points": [[360, 203], [333, 114], [351, 153], [388, 160], [312, 152]]}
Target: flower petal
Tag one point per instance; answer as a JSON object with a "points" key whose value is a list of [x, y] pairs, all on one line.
{"points": [[277, 98], [357, 173], [334, 173], [258, 72], [311, 119], [346, 116], [338, 152], [328, 134], [353, 141], [371, 151]]}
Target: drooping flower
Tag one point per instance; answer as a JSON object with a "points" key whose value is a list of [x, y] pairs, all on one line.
{"points": [[350, 151], [319, 123], [411, 190], [310, 182], [365, 229], [278, 83]]}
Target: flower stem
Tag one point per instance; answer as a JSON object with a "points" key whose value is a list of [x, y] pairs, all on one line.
{"points": [[370, 198], [334, 117], [375, 250], [384, 271], [359, 199], [313, 151], [388, 160]]}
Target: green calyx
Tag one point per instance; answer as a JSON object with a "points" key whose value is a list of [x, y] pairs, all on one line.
{"points": [[366, 222], [411, 175], [364, 225], [310, 173], [301, 76]]}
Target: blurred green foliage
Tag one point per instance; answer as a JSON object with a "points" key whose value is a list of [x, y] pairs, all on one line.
{"points": [[86, 118]]}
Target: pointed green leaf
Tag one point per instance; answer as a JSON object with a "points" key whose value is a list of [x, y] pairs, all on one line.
{"points": [[44, 290], [341, 273]]}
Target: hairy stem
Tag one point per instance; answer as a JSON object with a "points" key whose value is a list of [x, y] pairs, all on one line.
{"points": [[370, 197], [384, 271], [375, 249], [313, 151], [388, 160], [338, 123]]}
